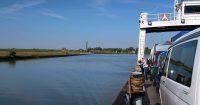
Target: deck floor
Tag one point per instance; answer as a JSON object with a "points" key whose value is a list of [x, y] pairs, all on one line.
{"points": [[151, 96]]}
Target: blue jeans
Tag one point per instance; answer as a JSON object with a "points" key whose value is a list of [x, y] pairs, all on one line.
{"points": [[145, 72]]}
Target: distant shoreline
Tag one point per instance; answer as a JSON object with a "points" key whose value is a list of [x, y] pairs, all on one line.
{"points": [[18, 54], [27, 58]]}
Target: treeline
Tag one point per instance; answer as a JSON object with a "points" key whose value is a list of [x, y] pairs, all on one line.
{"points": [[129, 50]]}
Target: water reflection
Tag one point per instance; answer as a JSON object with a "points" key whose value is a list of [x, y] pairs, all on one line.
{"points": [[12, 63]]}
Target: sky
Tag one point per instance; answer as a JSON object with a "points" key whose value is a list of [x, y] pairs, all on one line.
{"points": [[54, 24]]}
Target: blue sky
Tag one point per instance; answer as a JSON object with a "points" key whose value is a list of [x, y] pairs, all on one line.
{"points": [[70, 23]]}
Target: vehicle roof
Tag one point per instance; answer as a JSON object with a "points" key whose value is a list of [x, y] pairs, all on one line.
{"points": [[162, 47], [192, 34], [179, 35]]}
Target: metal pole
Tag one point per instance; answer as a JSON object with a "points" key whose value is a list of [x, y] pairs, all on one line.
{"points": [[141, 47]]}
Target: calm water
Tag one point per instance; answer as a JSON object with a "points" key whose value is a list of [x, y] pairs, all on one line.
{"points": [[80, 80]]}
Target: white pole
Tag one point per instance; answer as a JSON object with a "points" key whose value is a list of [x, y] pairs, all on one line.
{"points": [[141, 48]]}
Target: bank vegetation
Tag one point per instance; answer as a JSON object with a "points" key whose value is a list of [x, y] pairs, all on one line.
{"points": [[14, 54]]}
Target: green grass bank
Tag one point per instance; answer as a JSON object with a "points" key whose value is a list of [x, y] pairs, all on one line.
{"points": [[15, 54]]}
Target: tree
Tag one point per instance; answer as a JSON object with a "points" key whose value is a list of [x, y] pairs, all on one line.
{"points": [[98, 48], [12, 54], [136, 51], [147, 50], [130, 49]]}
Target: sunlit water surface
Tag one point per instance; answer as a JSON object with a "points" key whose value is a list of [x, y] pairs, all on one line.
{"points": [[78, 80]]}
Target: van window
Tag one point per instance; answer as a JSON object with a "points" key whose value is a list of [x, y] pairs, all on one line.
{"points": [[195, 9], [181, 63], [166, 63]]}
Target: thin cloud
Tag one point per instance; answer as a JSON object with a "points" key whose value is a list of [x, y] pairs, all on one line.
{"points": [[99, 2], [52, 14], [11, 10], [102, 11], [100, 7]]}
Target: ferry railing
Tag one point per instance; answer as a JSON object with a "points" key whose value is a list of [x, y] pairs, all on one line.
{"points": [[161, 17], [170, 17]]}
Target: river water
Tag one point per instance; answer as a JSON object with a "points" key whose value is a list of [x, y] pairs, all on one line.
{"points": [[78, 80]]}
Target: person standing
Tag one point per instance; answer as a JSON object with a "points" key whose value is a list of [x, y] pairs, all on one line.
{"points": [[141, 66], [145, 67]]}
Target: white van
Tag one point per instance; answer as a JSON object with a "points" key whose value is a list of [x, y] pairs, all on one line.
{"points": [[157, 49], [180, 83]]}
